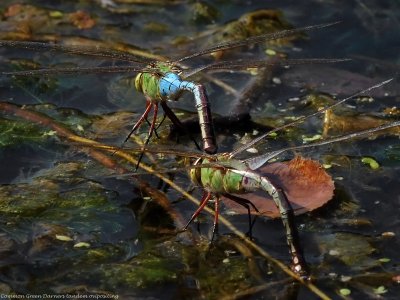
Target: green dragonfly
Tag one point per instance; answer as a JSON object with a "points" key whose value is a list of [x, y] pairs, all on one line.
{"points": [[221, 175], [166, 81]]}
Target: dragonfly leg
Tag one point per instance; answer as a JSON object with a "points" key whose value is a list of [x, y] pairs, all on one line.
{"points": [[203, 202], [150, 133], [162, 121], [140, 121], [246, 204], [155, 129], [216, 214], [158, 126], [174, 119]]}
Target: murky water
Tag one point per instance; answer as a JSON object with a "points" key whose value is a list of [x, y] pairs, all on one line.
{"points": [[70, 226]]}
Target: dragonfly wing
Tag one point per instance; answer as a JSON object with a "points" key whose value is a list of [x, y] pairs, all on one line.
{"points": [[79, 70], [255, 40], [245, 64], [256, 162], [301, 119], [87, 51]]}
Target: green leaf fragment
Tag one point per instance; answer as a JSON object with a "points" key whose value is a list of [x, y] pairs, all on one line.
{"points": [[63, 238], [312, 138], [345, 292], [384, 260], [373, 164], [82, 245], [380, 290], [56, 14], [50, 133]]}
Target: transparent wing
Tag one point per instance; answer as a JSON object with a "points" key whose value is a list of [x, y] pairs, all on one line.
{"points": [[299, 120], [88, 51], [256, 162], [255, 40]]}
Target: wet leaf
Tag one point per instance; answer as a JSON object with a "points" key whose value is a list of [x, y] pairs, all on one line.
{"points": [[156, 28], [334, 124], [380, 290], [253, 23], [18, 132], [352, 249], [396, 278], [63, 238], [371, 162], [203, 12], [345, 292], [305, 183], [82, 20], [82, 245], [144, 271]]}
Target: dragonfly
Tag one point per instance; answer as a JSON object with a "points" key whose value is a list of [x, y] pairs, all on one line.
{"points": [[223, 176], [161, 82]]}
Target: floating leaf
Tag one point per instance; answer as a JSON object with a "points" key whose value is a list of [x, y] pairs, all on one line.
{"points": [[63, 238], [345, 292], [305, 183], [380, 290], [371, 162], [352, 249], [56, 14], [82, 245], [308, 139], [270, 52], [82, 20], [384, 260], [334, 123], [396, 278], [388, 234]]}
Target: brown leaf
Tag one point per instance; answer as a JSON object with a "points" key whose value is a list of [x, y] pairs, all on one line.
{"points": [[304, 181], [82, 20]]}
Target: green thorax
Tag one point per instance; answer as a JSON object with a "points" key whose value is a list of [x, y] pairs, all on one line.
{"points": [[148, 82], [217, 179]]}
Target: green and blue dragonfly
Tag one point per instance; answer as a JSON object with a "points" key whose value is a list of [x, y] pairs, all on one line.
{"points": [[221, 175], [166, 81]]}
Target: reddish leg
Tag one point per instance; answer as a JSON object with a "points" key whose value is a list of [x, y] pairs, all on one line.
{"points": [[203, 202], [153, 123], [140, 121], [151, 130]]}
